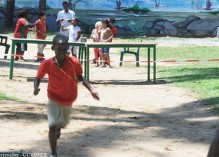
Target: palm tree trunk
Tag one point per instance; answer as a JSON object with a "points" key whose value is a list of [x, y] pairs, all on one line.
{"points": [[9, 13], [42, 5]]}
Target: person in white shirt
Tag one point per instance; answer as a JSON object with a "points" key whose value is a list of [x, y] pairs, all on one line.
{"points": [[65, 17], [74, 35]]}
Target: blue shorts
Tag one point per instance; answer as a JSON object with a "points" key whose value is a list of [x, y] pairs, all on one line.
{"points": [[105, 50], [21, 47]]}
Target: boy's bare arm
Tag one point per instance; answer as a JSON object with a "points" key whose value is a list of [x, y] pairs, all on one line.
{"points": [[79, 35], [94, 94], [63, 28], [36, 86]]}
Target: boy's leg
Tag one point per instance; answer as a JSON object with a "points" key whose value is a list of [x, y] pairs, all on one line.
{"points": [[58, 132], [53, 139], [213, 150], [40, 53], [18, 51], [96, 51], [107, 57], [108, 60], [58, 117], [101, 56], [23, 48]]}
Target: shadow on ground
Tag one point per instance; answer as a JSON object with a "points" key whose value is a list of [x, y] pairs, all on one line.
{"points": [[118, 128], [19, 64]]}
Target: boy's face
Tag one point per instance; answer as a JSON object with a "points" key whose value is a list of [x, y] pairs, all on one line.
{"points": [[104, 25], [65, 7], [60, 51], [43, 17], [74, 22]]}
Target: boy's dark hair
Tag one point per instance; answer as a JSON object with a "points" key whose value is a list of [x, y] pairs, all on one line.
{"points": [[77, 20], [64, 2], [59, 38], [112, 20], [42, 13], [107, 23], [23, 14]]}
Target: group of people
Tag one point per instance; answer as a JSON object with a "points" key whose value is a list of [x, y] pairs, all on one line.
{"points": [[21, 31], [104, 31], [68, 27]]}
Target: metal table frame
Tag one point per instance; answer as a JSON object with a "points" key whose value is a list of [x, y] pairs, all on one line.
{"points": [[122, 45]]}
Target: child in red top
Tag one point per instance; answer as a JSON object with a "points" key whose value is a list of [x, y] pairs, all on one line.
{"points": [[40, 26], [112, 22], [21, 31], [64, 73]]}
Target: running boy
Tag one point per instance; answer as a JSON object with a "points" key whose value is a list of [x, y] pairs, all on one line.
{"points": [[40, 26], [63, 72]]}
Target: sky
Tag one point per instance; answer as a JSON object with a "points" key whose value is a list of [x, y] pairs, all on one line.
{"points": [[165, 5]]}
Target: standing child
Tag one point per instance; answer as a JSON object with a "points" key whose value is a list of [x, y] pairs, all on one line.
{"points": [[63, 72], [106, 35], [21, 31], [112, 22], [40, 26], [74, 35], [95, 35]]}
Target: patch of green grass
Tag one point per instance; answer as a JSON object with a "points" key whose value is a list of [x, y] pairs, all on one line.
{"points": [[188, 52], [5, 97], [201, 78]]}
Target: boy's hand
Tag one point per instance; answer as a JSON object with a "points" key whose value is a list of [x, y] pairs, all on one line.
{"points": [[95, 95], [36, 91]]}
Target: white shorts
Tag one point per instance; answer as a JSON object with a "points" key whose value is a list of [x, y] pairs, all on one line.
{"points": [[58, 115]]}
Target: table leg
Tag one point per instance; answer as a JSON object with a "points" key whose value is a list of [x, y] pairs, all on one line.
{"points": [[154, 64], [80, 54], [149, 66], [86, 63], [12, 60]]}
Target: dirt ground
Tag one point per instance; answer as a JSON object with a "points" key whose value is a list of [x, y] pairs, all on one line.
{"points": [[134, 118]]}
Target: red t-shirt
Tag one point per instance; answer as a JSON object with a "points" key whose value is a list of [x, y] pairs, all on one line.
{"points": [[62, 86], [41, 26], [21, 28], [114, 31]]}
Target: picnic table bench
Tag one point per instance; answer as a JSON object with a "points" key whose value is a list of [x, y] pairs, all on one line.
{"points": [[3, 42]]}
